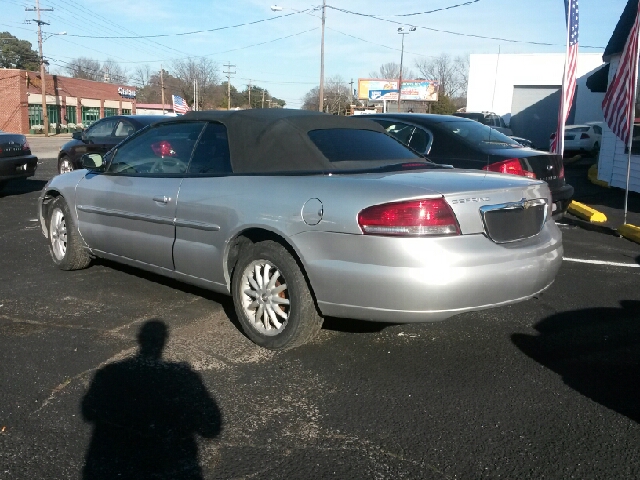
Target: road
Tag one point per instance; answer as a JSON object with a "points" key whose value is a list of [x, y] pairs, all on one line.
{"points": [[547, 388]]}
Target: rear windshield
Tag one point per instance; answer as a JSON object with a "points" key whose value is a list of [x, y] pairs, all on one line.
{"points": [[479, 135], [577, 129], [360, 147]]}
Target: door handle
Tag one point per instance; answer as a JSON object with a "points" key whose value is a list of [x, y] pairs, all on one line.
{"points": [[161, 199]]}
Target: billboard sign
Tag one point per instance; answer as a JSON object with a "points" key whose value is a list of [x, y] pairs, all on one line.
{"points": [[383, 95], [413, 90]]}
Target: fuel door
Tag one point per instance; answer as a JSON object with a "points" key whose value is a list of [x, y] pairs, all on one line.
{"points": [[312, 211]]}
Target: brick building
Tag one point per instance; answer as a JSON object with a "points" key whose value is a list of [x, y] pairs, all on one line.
{"points": [[72, 103]]}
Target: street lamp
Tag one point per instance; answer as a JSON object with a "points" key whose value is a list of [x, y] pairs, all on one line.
{"points": [[41, 39], [402, 31], [277, 8]]}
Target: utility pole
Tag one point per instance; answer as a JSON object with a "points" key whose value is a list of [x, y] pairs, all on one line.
{"points": [[45, 115], [351, 92], [262, 98], [249, 93], [162, 87], [228, 72], [269, 102], [321, 92]]}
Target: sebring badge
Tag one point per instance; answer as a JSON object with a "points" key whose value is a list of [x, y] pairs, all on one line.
{"points": [[469, 200]]}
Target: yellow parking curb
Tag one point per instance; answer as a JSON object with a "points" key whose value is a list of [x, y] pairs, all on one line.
{"points": [[593, 176], [583, 211], [630, 231]]}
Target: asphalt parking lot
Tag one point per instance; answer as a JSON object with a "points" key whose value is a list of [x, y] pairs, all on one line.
{"points": [[547, 388]]}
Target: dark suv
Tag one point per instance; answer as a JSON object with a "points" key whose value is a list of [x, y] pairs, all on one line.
{"points": [[101, 137]]}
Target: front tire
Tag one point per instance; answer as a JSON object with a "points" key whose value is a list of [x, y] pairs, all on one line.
{"points": [[272, 298], [65, 244], [65, 165]]}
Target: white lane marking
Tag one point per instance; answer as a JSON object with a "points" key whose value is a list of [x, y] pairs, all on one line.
{"points": [[601, 262]]}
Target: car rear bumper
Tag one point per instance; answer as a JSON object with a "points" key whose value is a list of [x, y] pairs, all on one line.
{"points": [[561, 198], [421, 280], [18, 167]]}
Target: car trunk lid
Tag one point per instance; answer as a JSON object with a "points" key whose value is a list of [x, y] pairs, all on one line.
{"points": [[12, 146]]}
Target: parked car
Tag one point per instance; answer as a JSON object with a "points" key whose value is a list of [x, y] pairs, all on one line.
{"points": [[299, 215], [101, 137], [585, 138], [487, 118], [16, 160], [464, 143]]}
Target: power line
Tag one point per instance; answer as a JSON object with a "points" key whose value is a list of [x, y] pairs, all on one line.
{"points": [[450, 32], [195, 31]]}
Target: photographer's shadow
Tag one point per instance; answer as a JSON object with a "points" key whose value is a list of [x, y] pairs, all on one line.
{"points": [[146, 414], [595, 350]]}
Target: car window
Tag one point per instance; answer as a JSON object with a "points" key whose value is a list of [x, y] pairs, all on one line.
{"points": [[351, 145], [479, 135], [211, 155], [597, 129], [124, 129], [420, 140], [102, 128], [165, 149], [399, 130], [577, 130]]}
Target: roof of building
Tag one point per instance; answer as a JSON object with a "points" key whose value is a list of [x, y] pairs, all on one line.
{"points": [[622, 30]]}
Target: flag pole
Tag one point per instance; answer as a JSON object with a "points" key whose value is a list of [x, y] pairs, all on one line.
{"points": [[630, 126]]}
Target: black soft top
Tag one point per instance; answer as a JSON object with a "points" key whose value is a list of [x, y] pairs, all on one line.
{"points": [[276, 139]]}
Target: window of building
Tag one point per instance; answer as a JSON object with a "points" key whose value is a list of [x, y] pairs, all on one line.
{"points": [[53, 112], [35, 115], [71, 114], [110, 112], [90, 115], [126, 111]]}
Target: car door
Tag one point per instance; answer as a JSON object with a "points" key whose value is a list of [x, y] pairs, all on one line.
{"points": [[96, 138], [203, 217], [129, 210]]}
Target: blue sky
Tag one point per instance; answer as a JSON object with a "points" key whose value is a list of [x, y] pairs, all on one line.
{"points": [[289, 67]]}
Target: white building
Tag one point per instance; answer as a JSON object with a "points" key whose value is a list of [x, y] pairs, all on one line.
{"points": [[525, 90], [614, 157]]}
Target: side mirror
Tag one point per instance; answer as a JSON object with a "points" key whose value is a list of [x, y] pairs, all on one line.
{"points": [[92, 161], [76, 135]]}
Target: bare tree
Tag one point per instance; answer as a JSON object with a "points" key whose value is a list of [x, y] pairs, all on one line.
{"points": [[205, 71], [83, 67], [337, 97], [443, 70], [462, 69], [142, 76], [391, 71], [113, 72]]}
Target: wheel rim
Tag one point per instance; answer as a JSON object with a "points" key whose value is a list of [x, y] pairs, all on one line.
{"points": [[58, 234], [265, 297], [66, 166]]}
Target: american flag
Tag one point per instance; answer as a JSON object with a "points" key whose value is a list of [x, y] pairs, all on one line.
{"points": [[179, 105], [618, 105], [569, 80]]}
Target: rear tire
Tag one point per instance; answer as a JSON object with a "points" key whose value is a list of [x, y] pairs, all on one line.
{"points": [[65, 165], [272, 298], [65, 244]]}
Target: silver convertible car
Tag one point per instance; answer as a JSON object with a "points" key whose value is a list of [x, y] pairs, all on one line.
{"points": [[299, 215]]}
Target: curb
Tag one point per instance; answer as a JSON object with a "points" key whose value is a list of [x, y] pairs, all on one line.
{"points": [[593, 176], [583, 211], [630, 232]]}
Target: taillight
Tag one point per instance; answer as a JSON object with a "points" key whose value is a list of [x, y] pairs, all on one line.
{"points": [[163, 149], [511, 166], [25, 146], [431, 216], [561, 174], [584, 136]]}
